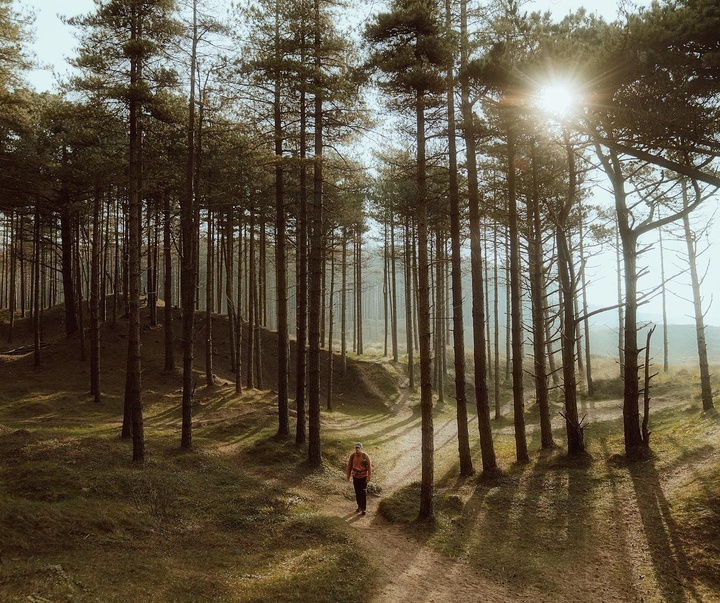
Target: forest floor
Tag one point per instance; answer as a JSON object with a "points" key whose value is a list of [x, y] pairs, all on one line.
{"points": [[244, 518]]}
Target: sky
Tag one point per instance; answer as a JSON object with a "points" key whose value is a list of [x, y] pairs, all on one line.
{"points": [[54, 42]]}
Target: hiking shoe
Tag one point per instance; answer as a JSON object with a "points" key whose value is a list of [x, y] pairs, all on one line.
{"points": [[358, 510], [363, 513]]}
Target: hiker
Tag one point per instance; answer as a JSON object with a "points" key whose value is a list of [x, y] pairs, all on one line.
{"points": [[360, 468]]}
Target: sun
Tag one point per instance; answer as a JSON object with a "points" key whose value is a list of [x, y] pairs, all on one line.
{"points": [[558, 98]]}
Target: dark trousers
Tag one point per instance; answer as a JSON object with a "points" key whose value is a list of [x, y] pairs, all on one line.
{"points": [[360, 484]]}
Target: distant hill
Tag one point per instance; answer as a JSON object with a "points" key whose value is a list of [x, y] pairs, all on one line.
{"points": [[682, 343]]}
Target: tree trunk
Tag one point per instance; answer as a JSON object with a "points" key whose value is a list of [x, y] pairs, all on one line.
{"points": [[427, 483], [210, 301], [301, 300], [78, 285], [409, 306], [12, 301], [536, 291], [343, 307], [189, 252], [496, 322], [66, 243], [621, 306], [568, 289], [666, 354], [316, 260], [95, 300], [331, 308], [37, 257], [167, 285], [133, 400], [358, 289], [281, 263], [250, 378], [229, 276], [466, 466], [705, 386], [573, 427], [634, 444], [515, 315], [393, 287], [439, 316], [583, 284]]}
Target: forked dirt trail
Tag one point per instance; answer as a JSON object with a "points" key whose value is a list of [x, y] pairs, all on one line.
{"points": [[547, 533], [411, 571]]}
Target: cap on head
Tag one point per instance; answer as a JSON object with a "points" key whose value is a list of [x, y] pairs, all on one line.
{"points": [[358, 445]]}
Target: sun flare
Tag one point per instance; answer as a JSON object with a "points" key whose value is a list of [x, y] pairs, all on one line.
{"points": [[558, 98]]}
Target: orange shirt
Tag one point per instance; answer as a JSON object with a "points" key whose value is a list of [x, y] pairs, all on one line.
{"points": [[357, 468]]}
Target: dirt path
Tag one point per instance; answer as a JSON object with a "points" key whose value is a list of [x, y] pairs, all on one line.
{"points": [[411, 571]]}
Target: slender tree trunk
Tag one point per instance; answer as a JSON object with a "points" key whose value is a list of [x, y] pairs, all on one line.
{"points": [[496, 322], [13, 278], [316, 260], [250, 377], [95, 300], [167, 285], [386, 287], [439, 307], [189, 252], [515, 315], [358, 288], [133, 400], [281, 261], [37, 257], [210, 301], [621, 306], [343, 308], [486, 292], [634, 444], [331, 308], [466, 466], [301, 299], [116, 262], [238, 316], [705, 386], [393, 286], [427, 483], [151, 268], [78, 289], [105, 276], [573, 427], [583, 284], [568, 289], [666, 350], [229, 276], [536, 289], [409, 306]]}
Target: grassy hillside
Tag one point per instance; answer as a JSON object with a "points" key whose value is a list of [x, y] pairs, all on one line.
{"points": [[243, 518]]}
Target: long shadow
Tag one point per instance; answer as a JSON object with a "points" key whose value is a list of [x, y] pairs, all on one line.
{"points": [[623, 566], [672, 569]]}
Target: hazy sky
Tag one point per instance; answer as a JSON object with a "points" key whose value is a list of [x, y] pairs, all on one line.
{"points": [[54, 42]]}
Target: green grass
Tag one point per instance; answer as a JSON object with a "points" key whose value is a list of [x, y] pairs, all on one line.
{"points": [[539, 522], [81, 522]]}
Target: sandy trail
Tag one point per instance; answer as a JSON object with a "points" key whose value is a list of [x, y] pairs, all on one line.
{"points": [[411, 571]]}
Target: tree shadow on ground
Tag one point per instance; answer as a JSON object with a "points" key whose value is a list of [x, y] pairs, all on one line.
{"points": [[673, 572]]}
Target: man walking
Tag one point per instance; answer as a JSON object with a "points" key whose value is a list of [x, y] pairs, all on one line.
{"points": [[360, 468]]}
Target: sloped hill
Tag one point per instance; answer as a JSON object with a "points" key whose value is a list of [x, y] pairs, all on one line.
{"points": [[366, 383]]}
